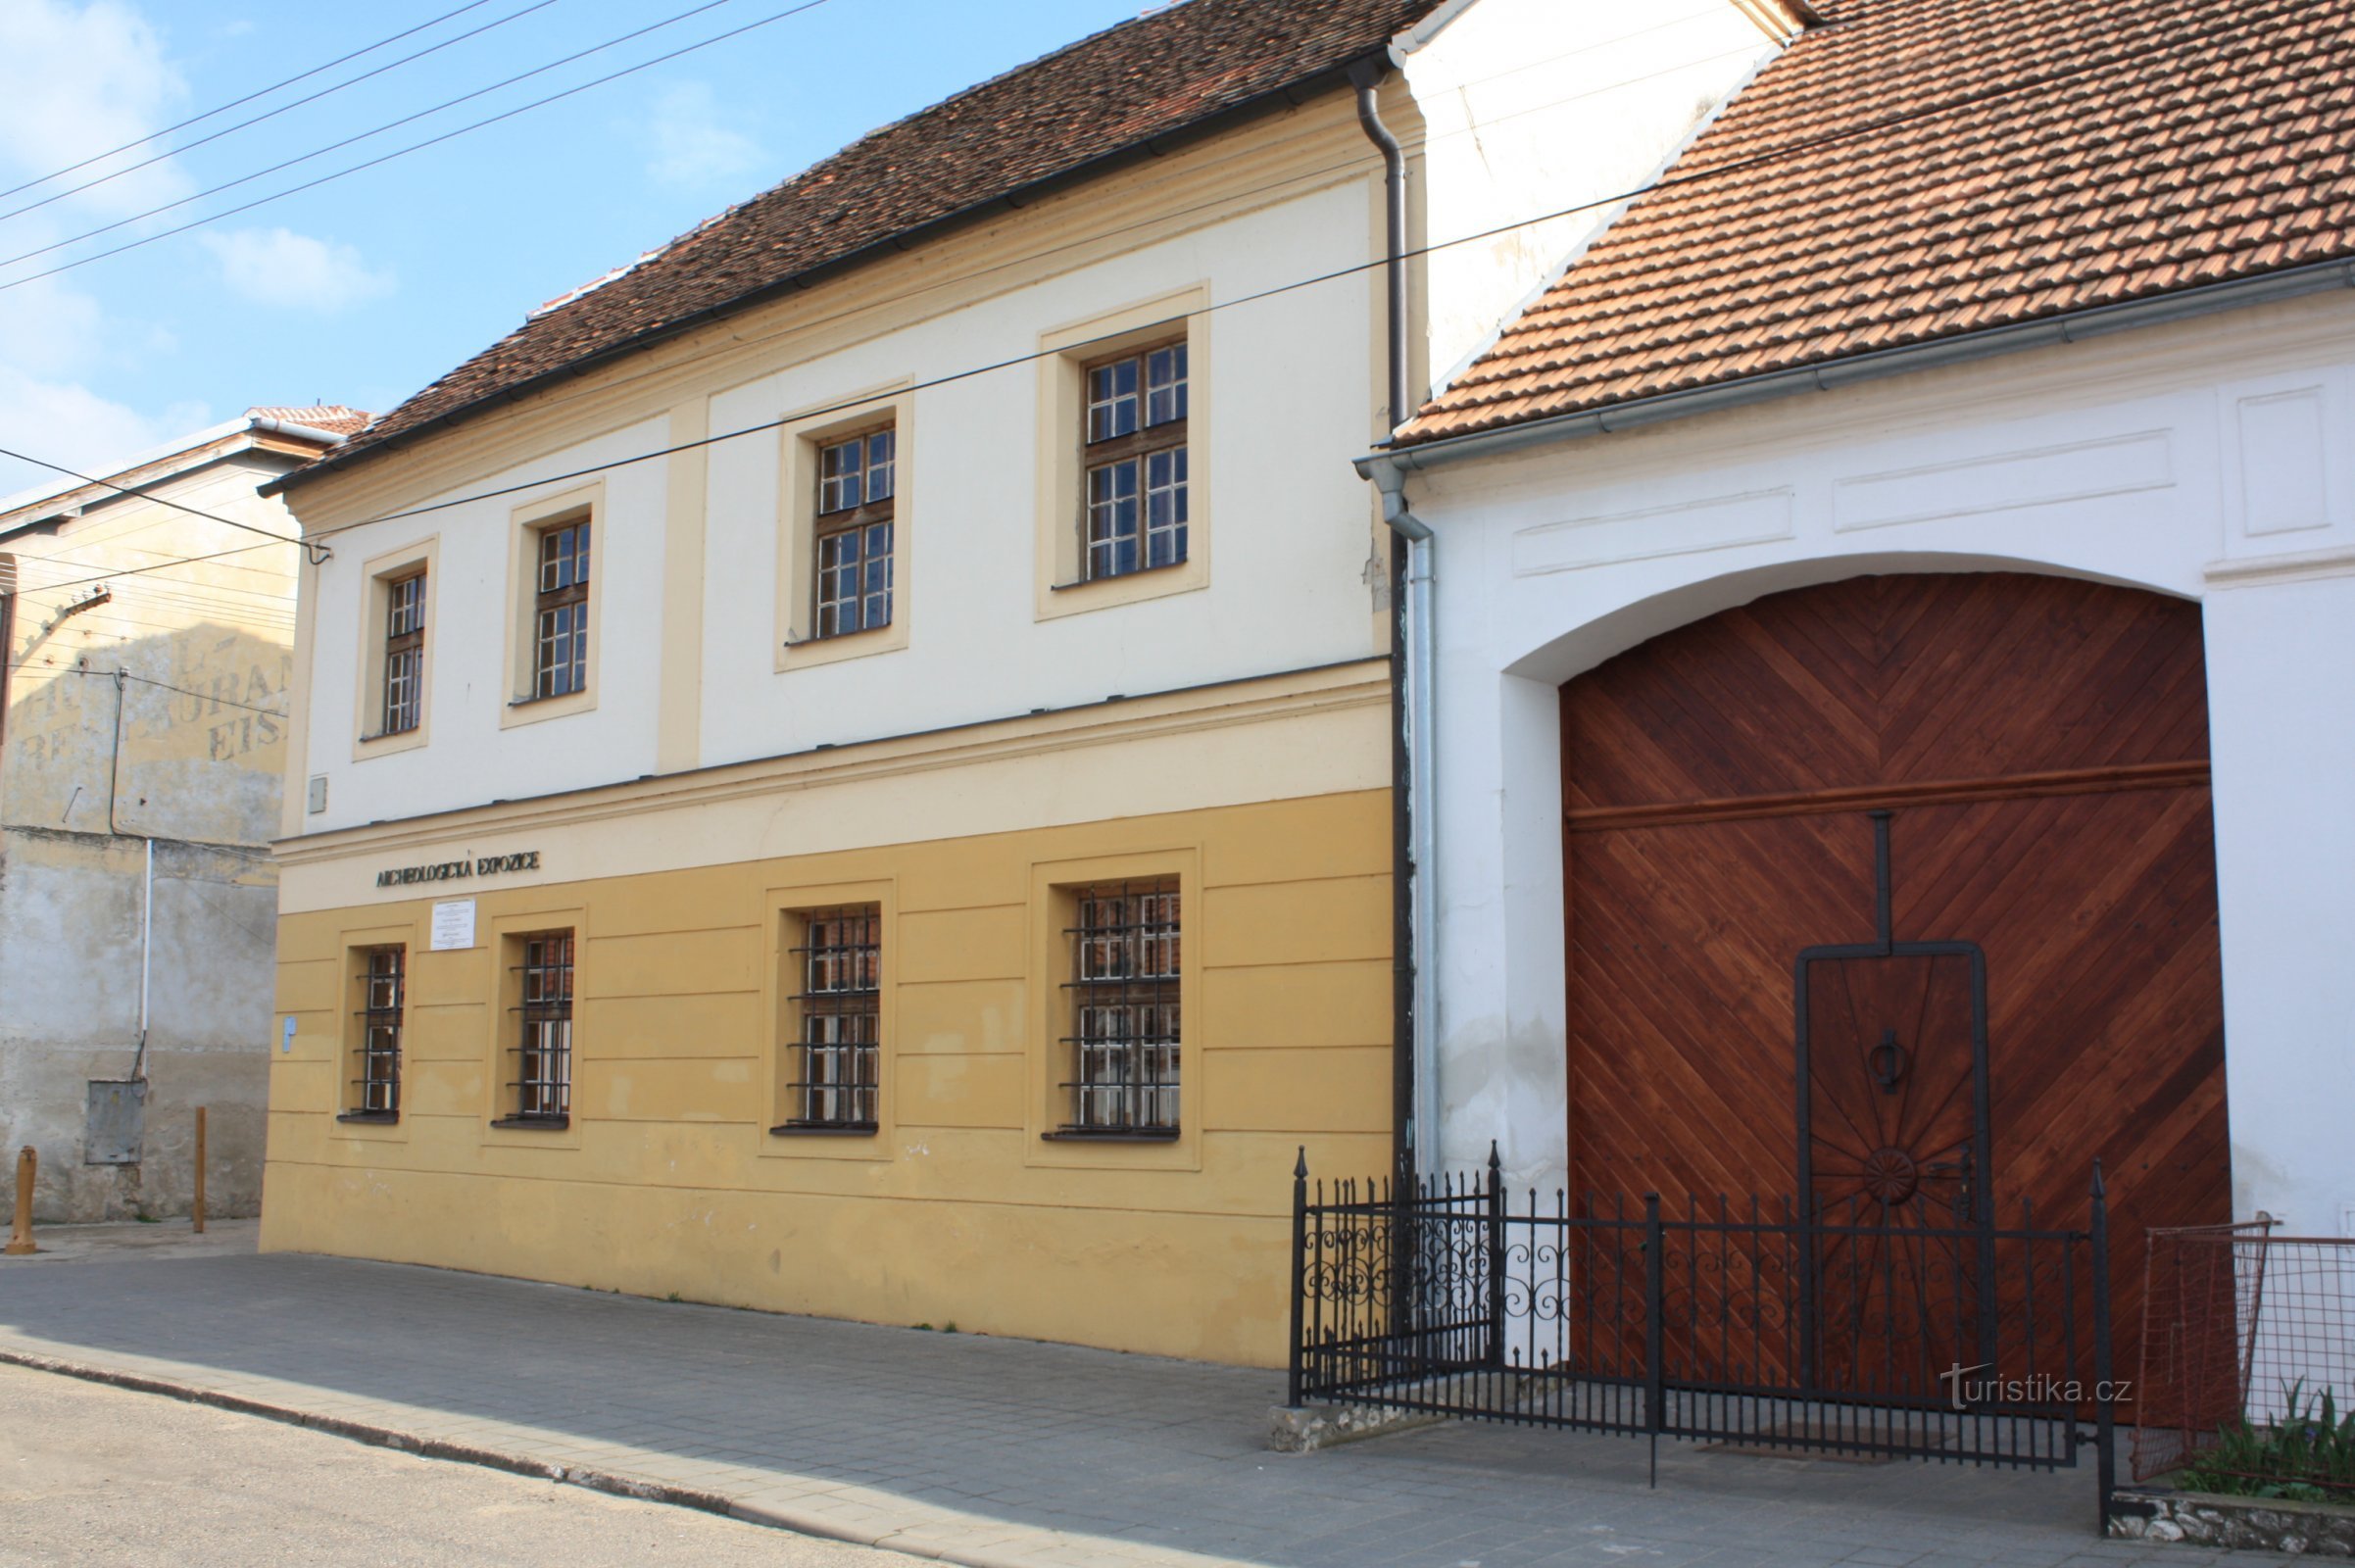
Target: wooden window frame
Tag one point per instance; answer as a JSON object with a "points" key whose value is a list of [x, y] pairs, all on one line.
{"points": [[860, 521], [552, 599], [542, 1099], [403, 705], [1125, 1083], [1134, 449], [381, 1023], [825, 1099], [372, 622]]}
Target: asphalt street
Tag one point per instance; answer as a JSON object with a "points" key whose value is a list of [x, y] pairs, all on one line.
{"points": [[97, 1476]]}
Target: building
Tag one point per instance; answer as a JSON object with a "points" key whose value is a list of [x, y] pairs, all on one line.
{"points": [[1960, 433], [142, 743], [846, 767]]}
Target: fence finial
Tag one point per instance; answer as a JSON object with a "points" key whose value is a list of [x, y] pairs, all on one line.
{"points": [[1496, 1162], [2100, 1190], [1299, 1167]]}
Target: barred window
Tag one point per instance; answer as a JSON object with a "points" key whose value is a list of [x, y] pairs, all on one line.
{"points": [[542, 1089], [1136, 462], [383, 994], [1123, 1045], [839, 969], [404, 655], [559, 649], [856, 481]]}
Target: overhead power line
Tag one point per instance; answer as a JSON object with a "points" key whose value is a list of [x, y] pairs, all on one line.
{"points": [[235, 103], [1669, 180], [336, 146], [124, 674], [268, 113], [398, 152], [149, 495]]}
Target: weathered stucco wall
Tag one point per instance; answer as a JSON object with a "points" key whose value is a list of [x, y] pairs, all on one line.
{"points": [[154, 715]]}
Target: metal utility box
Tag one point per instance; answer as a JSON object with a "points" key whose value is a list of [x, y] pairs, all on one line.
{"points": [[118, 1121]]}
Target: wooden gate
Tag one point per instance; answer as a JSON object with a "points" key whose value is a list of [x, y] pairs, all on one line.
{"points": [[2040, 747]]}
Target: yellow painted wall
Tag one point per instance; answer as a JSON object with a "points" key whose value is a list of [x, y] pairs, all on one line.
{"points": [[958, 1211]]}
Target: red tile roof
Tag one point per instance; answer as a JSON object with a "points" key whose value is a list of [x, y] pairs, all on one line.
{"points": [[1106, 94], [2046, 158]]}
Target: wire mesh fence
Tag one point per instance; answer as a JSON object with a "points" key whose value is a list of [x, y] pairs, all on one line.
{"points": [[2248, 1362]]}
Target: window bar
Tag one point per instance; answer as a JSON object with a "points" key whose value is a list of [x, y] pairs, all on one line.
{"points": [[383, 992], [543, 1083], [1125, 1045], [841, 965]]}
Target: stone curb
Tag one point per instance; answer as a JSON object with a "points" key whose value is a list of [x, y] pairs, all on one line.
{"points": [[606, 1480]]}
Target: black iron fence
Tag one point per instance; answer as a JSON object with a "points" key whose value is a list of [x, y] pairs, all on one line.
{"points": [[1861, 1329]]}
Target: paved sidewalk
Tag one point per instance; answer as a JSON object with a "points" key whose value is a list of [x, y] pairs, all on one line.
{"points": [[996, 1453]]}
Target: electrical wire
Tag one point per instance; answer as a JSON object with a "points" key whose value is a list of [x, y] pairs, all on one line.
{"points": [[386, 158], [234, 103], [144, 680], [148, 495], [271, 114], [1667, 180]]}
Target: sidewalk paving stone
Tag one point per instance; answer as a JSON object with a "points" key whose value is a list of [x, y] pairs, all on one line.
{"points": [[996, 1453]]}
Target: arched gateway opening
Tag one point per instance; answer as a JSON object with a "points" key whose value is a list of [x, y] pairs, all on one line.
{"points": [[2021, 975]]}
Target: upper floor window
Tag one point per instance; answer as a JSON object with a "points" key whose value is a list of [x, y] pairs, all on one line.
{"points": [[560, 657], [840, 969], [1134, 456], [855, 484], [404, 655], [1124, 1010]]}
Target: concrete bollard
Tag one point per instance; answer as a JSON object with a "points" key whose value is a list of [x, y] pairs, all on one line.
{"points": [[20, 1240], [196, 1210]]}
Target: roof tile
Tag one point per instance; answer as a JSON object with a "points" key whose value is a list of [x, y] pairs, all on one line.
{"points": [[1913, 169]]}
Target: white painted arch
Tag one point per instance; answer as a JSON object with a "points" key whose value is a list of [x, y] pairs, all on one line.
{"points": [[2126, 461]]}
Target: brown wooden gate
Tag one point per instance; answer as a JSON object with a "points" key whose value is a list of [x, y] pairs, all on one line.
{"points": [[2040, 746]]}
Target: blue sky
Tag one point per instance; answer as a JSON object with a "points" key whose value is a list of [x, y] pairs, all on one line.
{"points": [[367, 288]]}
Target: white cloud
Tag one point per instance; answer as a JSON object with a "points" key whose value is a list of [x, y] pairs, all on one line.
{"points": [[67, 422], [77, 81], [689, 142], [278, 267]]}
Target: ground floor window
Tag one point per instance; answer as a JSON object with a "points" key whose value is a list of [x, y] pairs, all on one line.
{"points": [[540, 1093], [1123, 1043], [382, 980], [837, 972]]}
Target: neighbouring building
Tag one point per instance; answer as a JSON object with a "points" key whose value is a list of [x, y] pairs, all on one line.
{"points": [[1960, 446], [143, 722], [846, 766]]}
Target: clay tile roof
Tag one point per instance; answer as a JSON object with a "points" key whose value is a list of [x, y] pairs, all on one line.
{"points": [[332, 417], [1114, 90], [2057, 155]]}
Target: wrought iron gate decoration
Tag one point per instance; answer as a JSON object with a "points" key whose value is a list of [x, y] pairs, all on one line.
{"points": [[1690, 1323]]}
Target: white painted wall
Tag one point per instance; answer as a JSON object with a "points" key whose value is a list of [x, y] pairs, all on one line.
{"points": [[1533, 106], [2210, 459], [1282, 390], [1529, 105]]}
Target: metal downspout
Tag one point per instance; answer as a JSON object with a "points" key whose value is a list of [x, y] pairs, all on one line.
{"points": [[1414, 1083]]}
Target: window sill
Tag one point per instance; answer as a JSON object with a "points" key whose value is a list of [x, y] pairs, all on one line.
{"points": [[816, 1129], [534, 709], [1111, 1134], [370, 1118], [803, 652], [533, 1124], [1118, 576]]}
